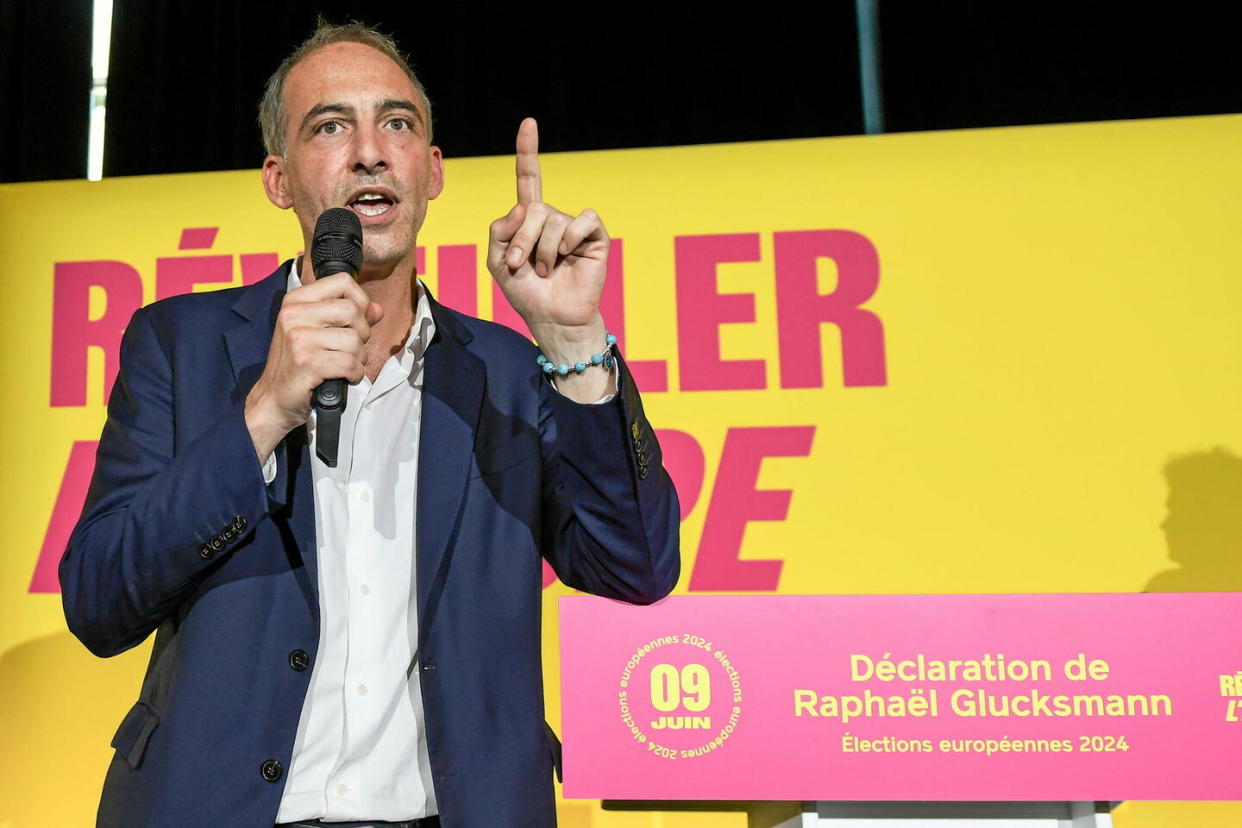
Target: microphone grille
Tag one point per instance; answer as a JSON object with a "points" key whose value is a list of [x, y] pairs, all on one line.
{"points": [[338, 239]]}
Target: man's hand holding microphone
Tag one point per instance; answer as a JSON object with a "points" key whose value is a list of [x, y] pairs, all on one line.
{"points": [[318, 344]]}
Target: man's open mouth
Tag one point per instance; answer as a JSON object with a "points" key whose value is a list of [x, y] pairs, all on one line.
{"points": [[370, 203]]}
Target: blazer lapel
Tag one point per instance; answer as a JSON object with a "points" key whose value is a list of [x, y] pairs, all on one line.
{"points": [[454, 381], [248, 343]]}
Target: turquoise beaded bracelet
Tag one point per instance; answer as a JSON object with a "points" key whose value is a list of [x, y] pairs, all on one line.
{"points": [[604, 358]]}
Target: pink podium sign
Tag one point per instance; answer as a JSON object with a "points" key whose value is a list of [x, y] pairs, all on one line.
{"points": [[915, 697]]}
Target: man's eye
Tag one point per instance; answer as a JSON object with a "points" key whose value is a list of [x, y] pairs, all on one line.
{"points": [[329, 127], [399, 124]]}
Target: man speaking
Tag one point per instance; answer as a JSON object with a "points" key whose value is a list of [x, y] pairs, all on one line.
{"points": [[359, 643]]}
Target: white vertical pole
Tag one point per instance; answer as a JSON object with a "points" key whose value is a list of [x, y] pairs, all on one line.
{"points": [[101, 42]]}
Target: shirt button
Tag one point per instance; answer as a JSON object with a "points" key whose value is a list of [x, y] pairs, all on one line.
{"points": [[362, 689], [364, 589], [342, 789], [364, 496]]}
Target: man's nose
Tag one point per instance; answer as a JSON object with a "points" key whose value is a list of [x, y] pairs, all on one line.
{"points": [[368, 150]]}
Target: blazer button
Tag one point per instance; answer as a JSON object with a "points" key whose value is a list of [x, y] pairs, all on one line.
{"points": [[217, 543], [229, 535], [205, 551], [642, 472], [271, 770], [299, 660], [239, 524]]}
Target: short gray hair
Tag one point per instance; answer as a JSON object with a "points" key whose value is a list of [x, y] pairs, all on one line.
{"points": [[272, 118]]}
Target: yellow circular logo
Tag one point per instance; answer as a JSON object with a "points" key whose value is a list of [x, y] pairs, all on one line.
{"points": [[680, 696]]}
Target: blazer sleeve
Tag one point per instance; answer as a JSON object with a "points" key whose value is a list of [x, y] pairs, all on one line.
{"points": [[156, 519], [611, 520]]}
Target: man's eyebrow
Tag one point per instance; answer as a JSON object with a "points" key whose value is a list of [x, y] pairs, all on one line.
{"points": [[403, 104], [316, 111]]}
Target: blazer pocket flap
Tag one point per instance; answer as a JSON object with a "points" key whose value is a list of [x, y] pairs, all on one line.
{"points": [[131, 737]]}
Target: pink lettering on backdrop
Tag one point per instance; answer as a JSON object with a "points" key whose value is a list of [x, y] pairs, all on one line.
{"points": [[650, 375], [736, 502], [801, 308], [257, 266], [701, 310], [458, 277], [686, 465], [198, 238], [65, 512], [74, 333], [177, 275]]}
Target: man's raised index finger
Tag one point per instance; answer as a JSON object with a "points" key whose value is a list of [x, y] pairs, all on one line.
{"points": [[529, 187]]}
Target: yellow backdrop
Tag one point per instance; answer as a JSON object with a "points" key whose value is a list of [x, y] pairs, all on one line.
{"points": [[1040, 393]]}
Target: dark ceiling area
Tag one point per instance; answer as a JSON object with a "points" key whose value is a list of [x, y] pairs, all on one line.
{"points": [[185, 78]]}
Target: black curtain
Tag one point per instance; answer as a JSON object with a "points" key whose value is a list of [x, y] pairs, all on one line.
{"points": [[957, 64], [45, 84], [187, 77], [185, 82]]}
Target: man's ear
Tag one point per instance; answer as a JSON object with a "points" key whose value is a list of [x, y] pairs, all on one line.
{"points": [[436, 184], [274, 182]]}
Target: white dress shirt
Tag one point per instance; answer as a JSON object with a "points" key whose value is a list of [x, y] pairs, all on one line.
{"points": [[361, 746]]}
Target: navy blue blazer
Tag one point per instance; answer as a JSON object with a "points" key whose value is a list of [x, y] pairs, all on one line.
{"points": [[180, 535]]}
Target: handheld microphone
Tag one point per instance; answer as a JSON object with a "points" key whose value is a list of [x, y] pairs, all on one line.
{"points": [[335, 248]]}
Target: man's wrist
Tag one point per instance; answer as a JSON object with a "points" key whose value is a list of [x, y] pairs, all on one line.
{"points": [[571, 345], [266, 431]]}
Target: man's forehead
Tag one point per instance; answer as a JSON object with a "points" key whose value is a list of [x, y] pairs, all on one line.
{"points": [[346, 72]]}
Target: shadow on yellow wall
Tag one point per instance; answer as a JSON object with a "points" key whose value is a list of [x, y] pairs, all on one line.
{"points": [[60, 706], [1203, 523]]}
